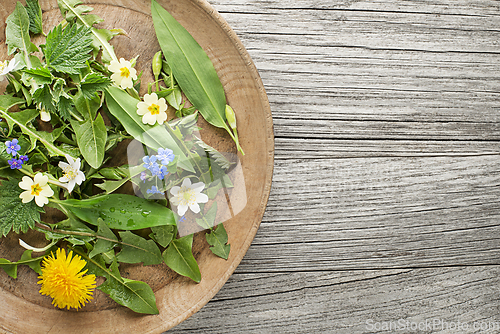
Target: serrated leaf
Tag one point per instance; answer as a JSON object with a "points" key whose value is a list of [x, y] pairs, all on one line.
{"points": [[179, 257], [43, 96], [35, 15], [107, 242], [67, 50], [93, 83], [136, 249], [41, 76], [220, 159], [91, 137], [14, 214], [218, 241], [64, 108]]}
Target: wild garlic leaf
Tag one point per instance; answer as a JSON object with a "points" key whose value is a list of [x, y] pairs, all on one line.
{"points": [[35, 14], [218, 241], [179, 257], [67, 50], [93, 83], [136, 249], [14, 214]]}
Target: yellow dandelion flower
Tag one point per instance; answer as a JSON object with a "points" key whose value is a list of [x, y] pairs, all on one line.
{"points": [[63, 280]]}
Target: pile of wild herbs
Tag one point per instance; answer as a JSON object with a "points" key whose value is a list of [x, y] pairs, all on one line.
{"points": [[68, 103]]}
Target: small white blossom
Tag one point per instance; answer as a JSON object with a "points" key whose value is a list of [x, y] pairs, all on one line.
{"points": [[36, 188], [123, 73], [6, 67], [152, 109], [71, 172], [188, 195], [45, 116]]}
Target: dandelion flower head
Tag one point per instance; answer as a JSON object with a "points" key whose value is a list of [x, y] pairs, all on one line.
{"points": [[63, 280]]}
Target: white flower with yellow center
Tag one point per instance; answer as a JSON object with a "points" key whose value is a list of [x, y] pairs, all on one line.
{"points": [[71, 172], [152, 109], [36, 188], [6, 67], [123, 73], [188, 196]]}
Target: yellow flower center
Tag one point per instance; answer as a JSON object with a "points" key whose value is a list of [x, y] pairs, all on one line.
{"points": [[69, 173], [187, 196], [125, 72], [36, 189], [3, 64], [154, 109]]}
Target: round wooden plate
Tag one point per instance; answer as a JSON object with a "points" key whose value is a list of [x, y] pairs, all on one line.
{"points": [[24, 310]]}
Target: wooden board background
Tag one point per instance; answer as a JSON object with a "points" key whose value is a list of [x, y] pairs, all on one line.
{"points": [[384, 203]]}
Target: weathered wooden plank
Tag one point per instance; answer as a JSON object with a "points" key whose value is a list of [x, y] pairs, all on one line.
{"points": [[379, 213], [337, 69], [353, 302]]}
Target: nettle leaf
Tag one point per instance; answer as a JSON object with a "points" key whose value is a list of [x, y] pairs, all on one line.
{"points": [[41, 76], [14, 214], [67, 50], [73, 10], [218, 241], [220, 159], [91, 137], [93, 83], [43, 96], [35, 15], [136, 295], [179, 257], [136, 249]]}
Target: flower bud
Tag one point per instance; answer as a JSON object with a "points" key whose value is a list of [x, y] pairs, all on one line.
{"points": [[231, 117], [157, 64]]}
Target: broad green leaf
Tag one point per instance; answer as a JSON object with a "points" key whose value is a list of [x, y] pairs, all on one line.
{"points": [[92, 83], [218, 241], [9, 267], [124, 212], [22, 118], [35, 14], [111, 186], [33, 263], [87, 107], [14, 214], [17, 32], [191, 67], [91, 138], [124, 107], [136, 295], [67, 50], [175, 98], [179, 257], [163, 235], [41, 76], [8, 101], [107, 241], [136, 249]]}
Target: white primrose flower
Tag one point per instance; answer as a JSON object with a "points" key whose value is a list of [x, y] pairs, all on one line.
{"points": [[36, 188], [72, 173], [152, 109], [188, 195], [6, 67], [123, 73]]}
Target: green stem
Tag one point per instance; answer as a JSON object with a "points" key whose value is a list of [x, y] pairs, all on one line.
{"points": [[183, 147]]}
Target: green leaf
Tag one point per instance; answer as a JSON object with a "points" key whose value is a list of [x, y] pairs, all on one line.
{"points": [[8, 101], [87, 107], [220, 159], [43, 95], [107, 242], [14, 214], [175, 98], [219, 241], [163, 235], [35, 14], [73, 10], [124, 107], [179, 257], [17, 32], [191, 67], [136, 249], [91, 137], [41, 76], [33, 263], [92, 83], [136, 295], [111, 186], [67, 50], [9, 267], [208, 219], [124, 212]]}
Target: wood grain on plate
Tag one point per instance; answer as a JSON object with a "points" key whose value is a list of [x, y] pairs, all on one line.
{"points": [[23, 310]]}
